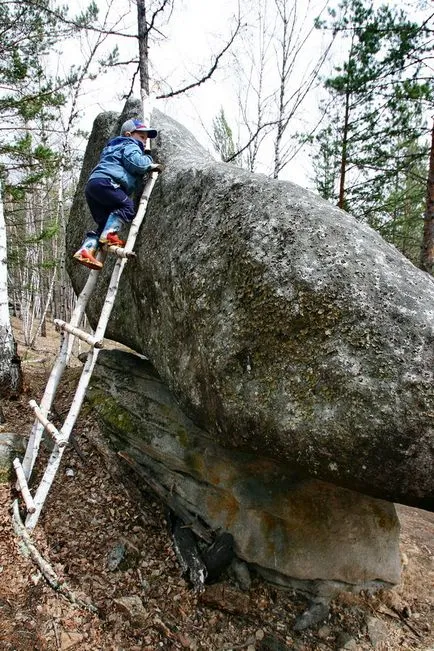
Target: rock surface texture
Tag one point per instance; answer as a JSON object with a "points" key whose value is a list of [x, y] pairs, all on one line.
{"points": [[11, 446], [285, 329], [296, 531]]}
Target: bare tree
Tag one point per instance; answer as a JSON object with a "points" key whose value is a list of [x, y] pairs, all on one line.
{"points": [[150, 17], [273, 80], [254, 103], [291, 44]]}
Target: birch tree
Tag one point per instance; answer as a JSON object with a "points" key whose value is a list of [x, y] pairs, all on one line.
{"points": [[10, 369]]}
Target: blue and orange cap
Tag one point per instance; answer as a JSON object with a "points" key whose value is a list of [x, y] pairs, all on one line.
{"points": [[137, 125]]}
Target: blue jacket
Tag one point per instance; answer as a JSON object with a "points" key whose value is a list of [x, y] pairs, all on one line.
{"points": [[123, 161]]}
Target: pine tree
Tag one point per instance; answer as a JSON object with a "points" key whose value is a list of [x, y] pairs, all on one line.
{"points": [[222, 137], [399, 218], [381, 94]]}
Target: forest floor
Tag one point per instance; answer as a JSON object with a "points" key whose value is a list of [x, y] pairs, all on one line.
{"points": [[97, 508]]}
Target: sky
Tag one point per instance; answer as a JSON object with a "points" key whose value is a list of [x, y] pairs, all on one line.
{"points": [[196, 30]]}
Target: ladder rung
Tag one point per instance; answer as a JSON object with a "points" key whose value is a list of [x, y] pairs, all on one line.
{"points": [[57, 436], [84, 336], [121, 252], [23, 486]]}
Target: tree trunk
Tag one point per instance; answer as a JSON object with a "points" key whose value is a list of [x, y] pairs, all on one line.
{"points": [[143, 49], [341, 200], [10, 363], [427, 252], [60, 254], [283, 78]]}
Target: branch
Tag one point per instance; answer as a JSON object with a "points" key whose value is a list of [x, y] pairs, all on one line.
{"points": [[160, 9], [251, 139], [46, 569], [123, 63], [76, 24], [210, 72], [130, 92]]}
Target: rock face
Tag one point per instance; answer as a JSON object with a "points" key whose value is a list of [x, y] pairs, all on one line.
{"points": [[296, 531], [11, 445], [285, 328]]}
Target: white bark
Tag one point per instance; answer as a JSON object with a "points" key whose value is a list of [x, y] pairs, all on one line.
{"points": [[23, 486], [81, 334], [44, 313], [30, 296], [9, 371], [49, 427]]}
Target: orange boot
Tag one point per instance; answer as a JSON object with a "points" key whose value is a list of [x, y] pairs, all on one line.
{"points": [[112, 227], [112, 239], [86, 253]]}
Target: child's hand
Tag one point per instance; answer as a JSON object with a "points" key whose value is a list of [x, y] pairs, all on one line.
{"points": [[155, 167]]}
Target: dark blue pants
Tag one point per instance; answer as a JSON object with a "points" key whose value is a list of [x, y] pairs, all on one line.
{"points": [[105, 197]]}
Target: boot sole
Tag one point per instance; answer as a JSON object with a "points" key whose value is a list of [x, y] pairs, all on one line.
{"points": [[106, 242], [97, 266]]}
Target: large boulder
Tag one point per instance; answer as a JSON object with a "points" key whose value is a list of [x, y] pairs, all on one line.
{"points": [[296, 531], [284, 327]]}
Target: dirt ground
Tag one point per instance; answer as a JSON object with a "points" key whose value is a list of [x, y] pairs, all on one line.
{"points": [[106, 536]]}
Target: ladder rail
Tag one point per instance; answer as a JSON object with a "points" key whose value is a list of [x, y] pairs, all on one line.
{"points": [[57, 453], [56, 374], [56, 456]]}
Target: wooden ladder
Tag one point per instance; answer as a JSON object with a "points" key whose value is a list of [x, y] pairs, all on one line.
{"points": [[71, 330]]}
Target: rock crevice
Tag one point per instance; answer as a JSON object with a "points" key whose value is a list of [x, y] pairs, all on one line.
{"points": [[296, 531]]}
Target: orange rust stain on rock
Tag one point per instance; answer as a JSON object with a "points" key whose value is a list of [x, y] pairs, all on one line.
{"points": [[260, 466], [223, 509], [221, 473], [270, 525]]}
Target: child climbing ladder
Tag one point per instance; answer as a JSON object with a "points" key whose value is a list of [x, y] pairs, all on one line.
{"points": [[122, 164]]}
